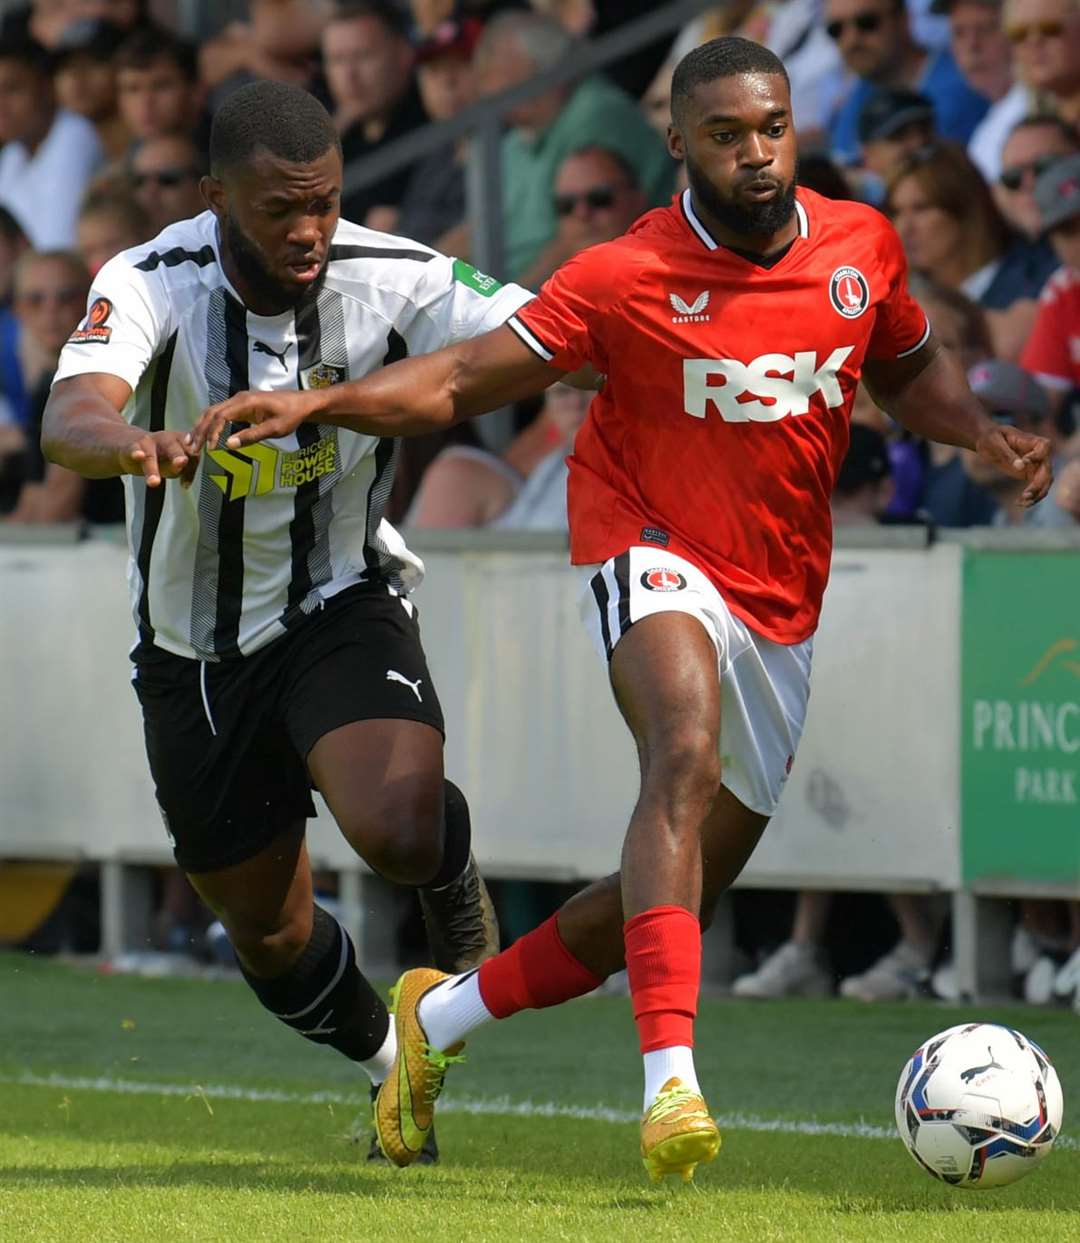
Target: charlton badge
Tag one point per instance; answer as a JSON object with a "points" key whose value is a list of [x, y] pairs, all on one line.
{"points": [[849, 292], [663, 579]]}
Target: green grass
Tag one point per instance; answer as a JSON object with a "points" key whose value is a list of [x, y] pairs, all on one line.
{"points": [[80, 1163]]}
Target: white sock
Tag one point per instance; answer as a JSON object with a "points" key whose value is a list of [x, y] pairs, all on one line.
{"points": [[452, 1009], [378, 1065], [662, 1064]]}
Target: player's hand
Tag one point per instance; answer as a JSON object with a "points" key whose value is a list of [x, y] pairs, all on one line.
{"points": [[269, 414], [1021, 455], [158, 456]]}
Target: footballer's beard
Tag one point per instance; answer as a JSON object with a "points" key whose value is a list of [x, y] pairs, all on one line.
{"points": [[752, 220], [250, 262]]}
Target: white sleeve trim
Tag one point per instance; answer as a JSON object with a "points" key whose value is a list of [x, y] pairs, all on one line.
{"points": [[534, 344], [918, 344]]}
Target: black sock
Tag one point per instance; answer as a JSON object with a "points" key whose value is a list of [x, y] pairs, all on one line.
{"points": [[457, 838], [324, 997]]}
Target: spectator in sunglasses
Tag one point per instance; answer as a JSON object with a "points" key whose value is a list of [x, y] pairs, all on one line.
{"points": [[1033, 146], [165, 176], [1045, 37], [951, 229], [596, 197], [514, 47], [876, 44]]}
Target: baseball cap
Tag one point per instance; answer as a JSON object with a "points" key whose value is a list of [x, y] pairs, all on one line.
{"points": [[889, 109], [1057, 191], [1007, 389], [456, 35]]}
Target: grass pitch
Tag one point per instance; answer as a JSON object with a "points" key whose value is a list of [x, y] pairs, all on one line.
{"points": [[177, 1110]]}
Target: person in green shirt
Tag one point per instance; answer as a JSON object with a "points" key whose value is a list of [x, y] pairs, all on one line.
{"points": [[514, 47]]}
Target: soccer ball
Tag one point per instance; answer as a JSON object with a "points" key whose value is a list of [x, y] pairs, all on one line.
{"points": [[979, 1105]]}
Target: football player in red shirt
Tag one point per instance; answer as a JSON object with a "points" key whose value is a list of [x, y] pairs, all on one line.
{"points": [[732, 328]]}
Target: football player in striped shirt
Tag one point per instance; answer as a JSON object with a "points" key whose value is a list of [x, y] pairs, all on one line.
{"points": [[277, 645]]}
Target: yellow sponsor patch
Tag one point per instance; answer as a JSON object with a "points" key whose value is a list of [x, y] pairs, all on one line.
{"points": [[308, 464], [256, 470]]}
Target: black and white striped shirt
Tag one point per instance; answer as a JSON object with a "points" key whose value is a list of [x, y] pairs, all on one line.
{"points": [[268, 532]]}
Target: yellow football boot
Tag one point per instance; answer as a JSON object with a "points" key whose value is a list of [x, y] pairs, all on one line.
{"points": [[677, 1134], [405, 1106]]}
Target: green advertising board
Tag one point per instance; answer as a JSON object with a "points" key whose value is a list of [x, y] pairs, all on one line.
{"points": [[1020, 765]]}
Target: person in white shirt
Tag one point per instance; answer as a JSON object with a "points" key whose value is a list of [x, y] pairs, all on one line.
{"points": [[277, 646], [48, 154]]}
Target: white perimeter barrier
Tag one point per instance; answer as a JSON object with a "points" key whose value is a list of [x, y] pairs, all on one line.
{"points": [[534, 737]]}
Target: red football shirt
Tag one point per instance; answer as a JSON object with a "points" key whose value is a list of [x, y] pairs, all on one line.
{"points": [[1052, 351], [724, 418]]}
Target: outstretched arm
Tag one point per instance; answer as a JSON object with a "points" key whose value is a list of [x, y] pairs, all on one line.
{"points": [[408, 398], [929, 394], [82, 428]]}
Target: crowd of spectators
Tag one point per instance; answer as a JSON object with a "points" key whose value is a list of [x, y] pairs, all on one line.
{"points": [[957, 118]]}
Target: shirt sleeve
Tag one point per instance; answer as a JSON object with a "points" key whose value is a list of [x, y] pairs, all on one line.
{"points": [[126, 325], [901, 326], [564, 323], [1046, 353], [453, 302]]}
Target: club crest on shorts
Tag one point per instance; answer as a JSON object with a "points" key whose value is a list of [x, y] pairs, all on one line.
{"points": [[849, 292], [663, 579]]}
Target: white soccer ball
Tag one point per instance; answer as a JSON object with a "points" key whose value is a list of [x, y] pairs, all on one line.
{"points": [[979, 1105]]}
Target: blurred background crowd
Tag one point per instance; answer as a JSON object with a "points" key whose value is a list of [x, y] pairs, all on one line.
{"points": [[956, 118]]}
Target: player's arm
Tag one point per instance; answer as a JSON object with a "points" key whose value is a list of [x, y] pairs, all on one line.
{"points": [[84, 426], [928, 393], [82, 429], [422, 394]]}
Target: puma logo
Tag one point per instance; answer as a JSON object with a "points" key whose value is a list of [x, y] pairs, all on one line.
{"points": [[392, 675], [261, 347], [973, 1072]]}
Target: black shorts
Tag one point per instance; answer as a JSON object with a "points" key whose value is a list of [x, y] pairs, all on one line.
{"points": [[227, 742]]}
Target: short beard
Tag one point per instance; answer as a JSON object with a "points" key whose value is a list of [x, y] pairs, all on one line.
{"points": [[755, 220], [250, 264]]}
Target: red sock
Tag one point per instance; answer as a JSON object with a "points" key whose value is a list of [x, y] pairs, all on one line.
{"points": [[663, 962], [536, 971]]}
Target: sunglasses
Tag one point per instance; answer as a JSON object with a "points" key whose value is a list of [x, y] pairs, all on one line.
{"points": [[166, 178], [867, 23], [37, 298], [1012, 178], [1044, 30], [595, 199]]}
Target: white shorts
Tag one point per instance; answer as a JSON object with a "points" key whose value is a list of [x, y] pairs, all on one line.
{"points": [[764, 686]]}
